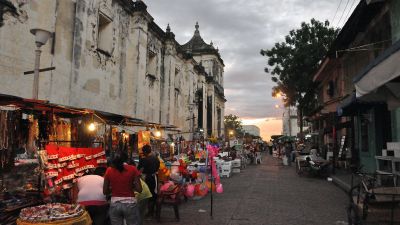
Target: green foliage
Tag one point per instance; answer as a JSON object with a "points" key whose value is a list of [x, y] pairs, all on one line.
{"points": [[233, 123], [293, 63]]}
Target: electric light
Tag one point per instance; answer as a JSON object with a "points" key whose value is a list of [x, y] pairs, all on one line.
{"points": [[92, 127], [157, 133]]}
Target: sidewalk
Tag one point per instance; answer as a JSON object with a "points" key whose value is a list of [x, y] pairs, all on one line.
{"points": [[342, 179], [264, 194]]}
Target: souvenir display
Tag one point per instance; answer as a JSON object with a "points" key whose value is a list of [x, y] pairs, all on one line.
{"points": [[64, 164], [50, 212]]}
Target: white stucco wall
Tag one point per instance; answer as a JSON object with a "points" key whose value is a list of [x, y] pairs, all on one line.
{"points": [[116, 81]]}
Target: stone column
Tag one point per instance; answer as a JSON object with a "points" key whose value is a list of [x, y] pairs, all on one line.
{"points": [[137, 72]]}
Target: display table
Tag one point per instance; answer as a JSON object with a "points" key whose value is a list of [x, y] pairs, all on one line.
{"points": [[83, 219]]}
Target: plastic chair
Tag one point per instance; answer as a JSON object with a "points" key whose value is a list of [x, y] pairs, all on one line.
{"points": [[172, 198], [258, 158]]}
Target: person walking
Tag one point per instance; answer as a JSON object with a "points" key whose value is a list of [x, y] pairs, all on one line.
{"points": [[288, 152], [89, 189], [121, 180], [149, 166], [143, 199]]}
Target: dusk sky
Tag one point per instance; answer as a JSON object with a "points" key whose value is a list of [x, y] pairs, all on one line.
{"points": [[240, 29]]}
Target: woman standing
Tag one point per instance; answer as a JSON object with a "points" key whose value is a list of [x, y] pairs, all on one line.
{"points": [[122, 179], [90, 195]]}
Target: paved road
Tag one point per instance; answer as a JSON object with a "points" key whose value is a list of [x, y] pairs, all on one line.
{"points": [[266, 194]]}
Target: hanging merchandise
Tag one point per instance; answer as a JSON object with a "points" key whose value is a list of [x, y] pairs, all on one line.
{"points": [[65, 164], [143, 139]]}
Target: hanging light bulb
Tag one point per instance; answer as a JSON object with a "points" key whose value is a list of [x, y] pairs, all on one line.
{"points": [[92, 127], [157, 133]]}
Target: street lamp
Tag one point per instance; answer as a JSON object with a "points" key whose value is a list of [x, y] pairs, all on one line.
{"points": [[230, 132], [41, 37]]}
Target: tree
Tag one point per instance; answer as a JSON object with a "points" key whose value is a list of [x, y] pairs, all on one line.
{"points": [[233, 123], [293, 63]]}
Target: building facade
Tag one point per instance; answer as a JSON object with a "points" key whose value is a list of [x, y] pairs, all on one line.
{"points": [[358, 107], [290, 126], [251, 129], [110, 56]]}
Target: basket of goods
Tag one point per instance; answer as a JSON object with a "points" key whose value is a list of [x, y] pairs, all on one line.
{"points": [[50, 212]]}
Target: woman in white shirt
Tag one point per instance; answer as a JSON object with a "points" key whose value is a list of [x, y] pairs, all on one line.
{"points": [[90, 195]]}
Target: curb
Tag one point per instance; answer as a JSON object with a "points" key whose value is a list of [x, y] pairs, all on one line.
{"points": [[341, 184]]}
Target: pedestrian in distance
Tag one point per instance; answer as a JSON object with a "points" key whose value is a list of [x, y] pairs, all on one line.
{"points": [[120, 180], [288, 152]]}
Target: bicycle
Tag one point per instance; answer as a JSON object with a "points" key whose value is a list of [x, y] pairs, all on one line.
{"points": [[372, 194]]}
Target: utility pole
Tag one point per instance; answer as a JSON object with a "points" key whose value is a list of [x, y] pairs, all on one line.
{"points": [[290, 123]]}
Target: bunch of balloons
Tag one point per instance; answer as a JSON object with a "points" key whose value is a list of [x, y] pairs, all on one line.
{"points": [[213, 152]]}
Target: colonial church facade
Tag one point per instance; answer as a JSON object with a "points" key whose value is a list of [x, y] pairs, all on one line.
{"points": [[110, 56]]}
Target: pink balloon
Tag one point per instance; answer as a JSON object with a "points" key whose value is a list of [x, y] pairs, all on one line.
{"points": [[189, 190], [165, 186], [219, 188]]}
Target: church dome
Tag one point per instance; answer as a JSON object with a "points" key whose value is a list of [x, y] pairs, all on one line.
{"points": [[197, 44]]}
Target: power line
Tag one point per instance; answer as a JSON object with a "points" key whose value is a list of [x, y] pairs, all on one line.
{"points": [[350, 10], [337, 9], [347, 3]]}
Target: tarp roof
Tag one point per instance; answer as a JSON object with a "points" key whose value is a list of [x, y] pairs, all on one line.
{"points": [[33, 105], [384, 69]]}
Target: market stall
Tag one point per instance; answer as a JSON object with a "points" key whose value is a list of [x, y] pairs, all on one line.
{"points": [[44, 149]]}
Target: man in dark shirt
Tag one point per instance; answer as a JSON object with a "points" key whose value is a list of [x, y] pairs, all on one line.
{"points": [[149, 166]]}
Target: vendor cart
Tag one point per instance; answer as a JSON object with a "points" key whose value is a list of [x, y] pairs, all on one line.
{"points": [[375, 199]]}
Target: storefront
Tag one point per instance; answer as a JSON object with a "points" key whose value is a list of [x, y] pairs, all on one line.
{"points": [[379, 83], [44, 149]]}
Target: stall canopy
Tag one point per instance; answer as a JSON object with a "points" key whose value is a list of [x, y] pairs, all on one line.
{"points": [[29, 105], [383, 72], [285, 138]]}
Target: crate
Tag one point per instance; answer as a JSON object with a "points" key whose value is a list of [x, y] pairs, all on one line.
{"points": [[226, 167], [397, 153], [393, 145], [236, 163], [225, 163], [236, 170], [225, 174], [387, 152]]}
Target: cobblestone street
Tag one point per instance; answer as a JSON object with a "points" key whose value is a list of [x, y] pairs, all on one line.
{"points": [[269, 194]]}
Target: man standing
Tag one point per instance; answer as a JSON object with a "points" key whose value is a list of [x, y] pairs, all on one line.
{"points": [[149, 166]]}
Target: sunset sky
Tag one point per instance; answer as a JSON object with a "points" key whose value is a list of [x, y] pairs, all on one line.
{"points": [[268, 126], [240, 29]]}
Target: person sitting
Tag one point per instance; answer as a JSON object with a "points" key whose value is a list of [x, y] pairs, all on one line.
{"points": [[232, 153], [320, 169]]}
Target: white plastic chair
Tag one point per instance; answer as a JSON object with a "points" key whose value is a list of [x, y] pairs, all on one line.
{"points": [[258, 157]]}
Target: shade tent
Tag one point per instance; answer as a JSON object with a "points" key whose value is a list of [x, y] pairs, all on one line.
{"points": [[381, 77], [30, 105], [286, 138]]}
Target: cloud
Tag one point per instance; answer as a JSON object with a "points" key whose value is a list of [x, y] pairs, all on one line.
{"points": [[240, 28]]}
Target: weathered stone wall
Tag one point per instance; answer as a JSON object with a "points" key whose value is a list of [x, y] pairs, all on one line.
{"points": [[98, 74], [17, 47], [107, 58]]}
